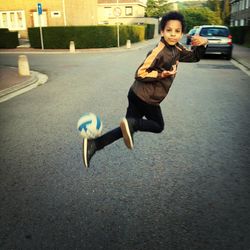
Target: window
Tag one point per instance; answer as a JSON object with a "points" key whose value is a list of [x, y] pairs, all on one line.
{"points": [[128, 11], [3, 18], [242, 2], [247, 4], [20, 20], [13, 20], [214, 32], [107, 11], [242, 22], [40, 19], [55, 14]]}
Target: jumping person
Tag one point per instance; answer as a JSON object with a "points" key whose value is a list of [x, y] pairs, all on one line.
{"points": [[153, 80]]}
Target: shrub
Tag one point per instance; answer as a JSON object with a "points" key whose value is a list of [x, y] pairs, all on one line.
{"points": [[134, 33], [8, 40], [101, 36], [149, 32], [241, 34], [3, 30], [199, 16]]}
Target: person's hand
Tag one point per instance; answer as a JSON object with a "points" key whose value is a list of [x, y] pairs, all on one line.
{"points": [[167, 73], [199, 41]]}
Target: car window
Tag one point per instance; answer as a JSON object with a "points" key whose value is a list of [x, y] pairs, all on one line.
{"points": [[213, 31], [192, 32]]}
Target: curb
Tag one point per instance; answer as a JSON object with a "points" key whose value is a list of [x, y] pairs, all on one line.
{"points": [[134, 46], [242, 61], [37, 79], [240, 65]]}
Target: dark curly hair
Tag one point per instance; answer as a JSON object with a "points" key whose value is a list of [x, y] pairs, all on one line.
{"points": [[172, 15]]}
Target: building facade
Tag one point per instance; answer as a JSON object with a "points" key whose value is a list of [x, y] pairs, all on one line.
{"points": [[240, 13], [126, 10], [19, 15]]}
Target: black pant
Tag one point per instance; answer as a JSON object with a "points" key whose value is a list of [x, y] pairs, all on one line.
{"points": [[137, 109]]}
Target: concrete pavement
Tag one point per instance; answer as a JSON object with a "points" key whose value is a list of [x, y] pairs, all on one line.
{"points": [[12, 84], [186, 188], [242, 55]]}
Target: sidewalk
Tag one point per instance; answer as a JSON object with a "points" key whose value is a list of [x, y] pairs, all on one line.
{"points": [[12, 84], [242, 55]]}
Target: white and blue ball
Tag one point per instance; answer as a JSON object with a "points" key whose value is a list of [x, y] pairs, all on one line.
{"points": [[89, 125]]}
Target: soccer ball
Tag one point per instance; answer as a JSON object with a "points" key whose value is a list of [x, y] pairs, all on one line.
{"points": [[89, 125]]}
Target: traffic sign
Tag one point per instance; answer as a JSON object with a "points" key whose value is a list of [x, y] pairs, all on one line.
{"points": [[39, 9]]}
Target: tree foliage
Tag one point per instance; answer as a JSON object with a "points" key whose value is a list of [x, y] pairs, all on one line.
{"points": [[213, 12], [221, 8], [200, 16], [213, 5], [157, 8], [226, 12]]}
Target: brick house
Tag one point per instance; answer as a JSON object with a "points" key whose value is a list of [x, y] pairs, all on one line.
{"points": [[19, 15], [240, 13]]}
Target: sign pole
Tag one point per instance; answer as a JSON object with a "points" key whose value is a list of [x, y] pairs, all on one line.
{"points": [[64, 14], [40, 11], [117, 12], [118, 35]]}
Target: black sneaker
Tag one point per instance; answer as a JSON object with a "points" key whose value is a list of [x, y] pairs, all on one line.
{"points": [[88, 150], [127, 132]]}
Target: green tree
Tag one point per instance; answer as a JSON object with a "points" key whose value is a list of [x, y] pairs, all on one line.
{"points": [[221, 8], [200, 16], [226, 12], [157, 8], [213, 5]]}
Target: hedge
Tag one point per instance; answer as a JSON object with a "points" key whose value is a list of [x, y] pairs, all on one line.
{"points": [[149, 32], [241, 34], [8, 40], [101, 36]]}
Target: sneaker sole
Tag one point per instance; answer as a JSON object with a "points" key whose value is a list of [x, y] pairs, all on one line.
{"points": [[85, 150], [126, 133]]}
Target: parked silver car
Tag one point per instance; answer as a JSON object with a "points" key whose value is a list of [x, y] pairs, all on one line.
{"points": [[190, 34], [219, 39]]}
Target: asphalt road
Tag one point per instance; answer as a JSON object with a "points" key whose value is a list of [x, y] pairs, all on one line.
{"points": [[186, 188]]}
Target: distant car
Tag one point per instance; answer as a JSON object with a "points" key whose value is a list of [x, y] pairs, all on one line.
{"points": [[190, 35], [219, 39]]}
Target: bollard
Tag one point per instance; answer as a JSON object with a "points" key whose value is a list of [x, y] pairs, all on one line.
{"points": [[72, 47], [128, 44], [23, 66]]}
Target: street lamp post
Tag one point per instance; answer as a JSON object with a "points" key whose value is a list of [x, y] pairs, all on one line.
{"points": [[64, 14], [117, 13], [118, 30]]}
